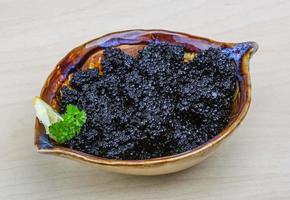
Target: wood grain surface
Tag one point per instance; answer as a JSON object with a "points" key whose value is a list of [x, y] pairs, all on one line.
{"points": [[36, 34]]}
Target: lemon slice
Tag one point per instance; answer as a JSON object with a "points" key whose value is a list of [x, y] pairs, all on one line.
{"points": [[45, 113]]}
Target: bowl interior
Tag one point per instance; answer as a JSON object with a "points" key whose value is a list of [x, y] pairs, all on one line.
{"points": [[90, 55]]}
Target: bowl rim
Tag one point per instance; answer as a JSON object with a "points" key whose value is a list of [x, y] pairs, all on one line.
{"points": [[67, 152]]}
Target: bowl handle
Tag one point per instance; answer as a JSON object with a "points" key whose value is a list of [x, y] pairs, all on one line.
{"points": [[240, 49]]}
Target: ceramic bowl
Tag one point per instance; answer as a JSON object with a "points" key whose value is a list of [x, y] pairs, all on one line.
{"points": [[131, 41]]}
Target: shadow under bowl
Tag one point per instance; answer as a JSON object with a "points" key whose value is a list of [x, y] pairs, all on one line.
{"points": [[131, 41]]}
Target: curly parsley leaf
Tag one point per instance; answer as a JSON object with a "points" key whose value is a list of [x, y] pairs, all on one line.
{"points": [[70, 126]]}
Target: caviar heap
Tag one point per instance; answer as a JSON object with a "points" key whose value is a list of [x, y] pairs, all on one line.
{"points": [[153, 105]]}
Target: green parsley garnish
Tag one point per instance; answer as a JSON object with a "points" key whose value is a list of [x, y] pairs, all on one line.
{"points": [[70, 126]]}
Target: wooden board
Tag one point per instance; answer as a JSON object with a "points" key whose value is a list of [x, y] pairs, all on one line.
{"points": [[253, 164]]}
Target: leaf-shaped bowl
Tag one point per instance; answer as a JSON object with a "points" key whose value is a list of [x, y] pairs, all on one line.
{"points": [[131, 41]]}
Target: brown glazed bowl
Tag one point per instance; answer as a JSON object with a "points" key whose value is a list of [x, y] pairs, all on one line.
{"points": [[130, 41]]}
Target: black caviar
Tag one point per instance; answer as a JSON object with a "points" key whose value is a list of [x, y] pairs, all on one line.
{"points": [[153, 105]]}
